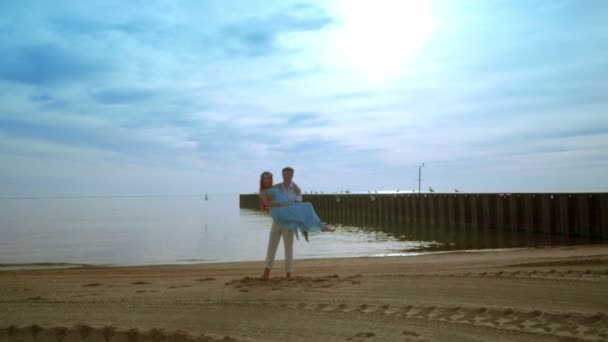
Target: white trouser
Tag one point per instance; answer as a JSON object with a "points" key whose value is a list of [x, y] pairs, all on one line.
{"points": [[273, 242]]}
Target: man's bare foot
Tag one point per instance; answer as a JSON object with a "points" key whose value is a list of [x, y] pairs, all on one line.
{"points": [[266, 274], [305, 236]]}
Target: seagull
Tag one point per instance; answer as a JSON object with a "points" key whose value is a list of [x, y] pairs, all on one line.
{"points": [[431, 189], [456, 190], [398, 190]]}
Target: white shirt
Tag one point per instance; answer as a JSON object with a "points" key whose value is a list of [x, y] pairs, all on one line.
{"points": [[291, 194]]}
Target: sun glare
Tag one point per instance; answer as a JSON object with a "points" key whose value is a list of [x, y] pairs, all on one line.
{"points": [[379, 39]]}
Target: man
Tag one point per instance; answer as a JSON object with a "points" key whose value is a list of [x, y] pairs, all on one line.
{"points": [[293, 194]]}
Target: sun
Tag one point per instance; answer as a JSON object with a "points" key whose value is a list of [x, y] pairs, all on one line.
{"points": [[379, 39]]}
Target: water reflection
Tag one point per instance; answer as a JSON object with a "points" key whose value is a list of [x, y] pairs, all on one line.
{"points": [[432, 237]]}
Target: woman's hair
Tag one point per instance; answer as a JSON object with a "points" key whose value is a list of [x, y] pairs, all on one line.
{"points": [[263, 187]]}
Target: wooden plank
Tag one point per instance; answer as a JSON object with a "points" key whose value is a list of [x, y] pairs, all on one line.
{"points": [[486, 214], [582, 217], [594, 216], [441, 211], [603, 207], [474, 212], [546, 219], [451, 219], [415, 205], [400, 212], [513, 212], [461, 211], [527, 203], [499, 202], [423, 211], [562, 216], [407, 219], [432, 205]]}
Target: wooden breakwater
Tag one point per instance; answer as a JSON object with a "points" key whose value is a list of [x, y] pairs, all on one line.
{"points": [[565, 214]]}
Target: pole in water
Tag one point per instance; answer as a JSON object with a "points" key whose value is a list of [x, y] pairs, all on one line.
{"points": [[420, 175]]}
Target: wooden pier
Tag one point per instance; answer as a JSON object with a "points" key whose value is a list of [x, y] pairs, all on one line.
{"points": [[582, 215]]}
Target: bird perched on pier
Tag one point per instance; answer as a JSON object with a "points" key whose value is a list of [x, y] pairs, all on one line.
{"points": [[431, 189]]}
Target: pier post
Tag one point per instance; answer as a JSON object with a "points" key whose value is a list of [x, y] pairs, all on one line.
{"points": [[603, 206], [462, 217], [582, 219], [562, 215], [486, 212], [499, 202], [527, 213], [546, 219]]}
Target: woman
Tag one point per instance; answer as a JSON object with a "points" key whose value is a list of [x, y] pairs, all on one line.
{"points": [[293, 216]]}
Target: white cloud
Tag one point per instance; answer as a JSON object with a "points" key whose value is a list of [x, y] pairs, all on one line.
{"points": [[182, 91]]}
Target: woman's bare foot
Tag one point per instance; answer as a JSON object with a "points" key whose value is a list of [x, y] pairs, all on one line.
{"points": [[305, 236], [327, 229]]}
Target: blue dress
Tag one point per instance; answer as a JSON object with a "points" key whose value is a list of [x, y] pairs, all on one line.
{"points": [[296, 216]]}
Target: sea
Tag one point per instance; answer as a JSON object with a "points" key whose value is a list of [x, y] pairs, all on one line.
{"points": [[153, 230]]}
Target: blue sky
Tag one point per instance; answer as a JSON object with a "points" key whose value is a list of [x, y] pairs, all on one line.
{"points": [[187, 97]]}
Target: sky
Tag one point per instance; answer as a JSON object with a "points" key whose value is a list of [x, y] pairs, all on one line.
{"points": [[191, 97]]}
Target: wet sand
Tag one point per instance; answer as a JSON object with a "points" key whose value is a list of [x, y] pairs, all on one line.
{"points": [[539, 294]]}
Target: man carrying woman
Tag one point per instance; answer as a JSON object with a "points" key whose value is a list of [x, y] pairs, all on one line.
{"points": [[289, 215]]}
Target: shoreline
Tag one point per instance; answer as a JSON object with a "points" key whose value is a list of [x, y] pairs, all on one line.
{"points": [[7, 266]]}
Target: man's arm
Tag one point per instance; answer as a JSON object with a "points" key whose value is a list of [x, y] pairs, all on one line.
{"points": [[298, 192]]}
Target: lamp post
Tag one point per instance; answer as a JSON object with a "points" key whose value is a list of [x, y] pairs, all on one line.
{"points": [[420, 176]]}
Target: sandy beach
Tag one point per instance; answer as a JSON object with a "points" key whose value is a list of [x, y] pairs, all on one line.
{"points": [[540, 294]]}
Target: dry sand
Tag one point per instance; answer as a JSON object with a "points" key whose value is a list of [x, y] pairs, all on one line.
{"points": [[542, 294]]}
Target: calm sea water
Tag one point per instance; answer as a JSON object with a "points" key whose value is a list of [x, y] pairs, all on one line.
{"points": [[160, 230], [171, 230]]}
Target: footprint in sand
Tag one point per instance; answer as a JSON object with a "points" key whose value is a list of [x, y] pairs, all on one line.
{"points": [[88, 333], [412, 336], [91, 285], [362, 336], [278, 283], [205, 279]]}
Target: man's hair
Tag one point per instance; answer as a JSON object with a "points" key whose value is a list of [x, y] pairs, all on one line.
{"points": [[287, 168]]}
